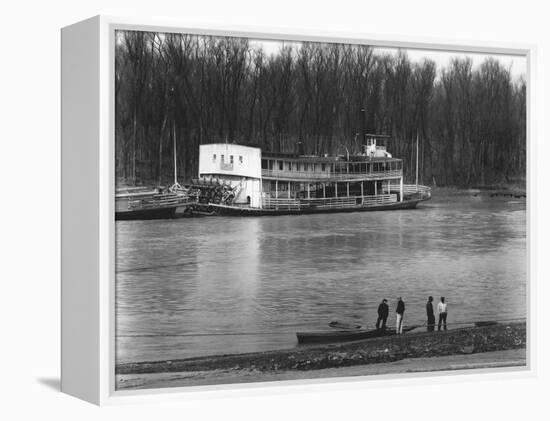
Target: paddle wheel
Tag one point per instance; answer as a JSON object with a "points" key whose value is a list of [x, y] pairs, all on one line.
{"points": [[213, 191]]}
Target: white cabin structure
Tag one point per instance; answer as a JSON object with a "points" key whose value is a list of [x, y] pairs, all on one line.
{"points": [[237, 164]]}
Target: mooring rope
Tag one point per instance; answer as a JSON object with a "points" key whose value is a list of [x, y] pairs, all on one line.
{"points": [[425, 324]]}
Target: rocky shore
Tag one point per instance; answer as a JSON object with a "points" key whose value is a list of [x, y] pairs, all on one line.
{"points": [[419, 345]]}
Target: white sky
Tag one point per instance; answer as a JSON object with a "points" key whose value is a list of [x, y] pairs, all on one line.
{"points": [[517, 64]]}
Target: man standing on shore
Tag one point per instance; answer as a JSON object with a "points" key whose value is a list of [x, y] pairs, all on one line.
{"points": [[430, 314], [383, 311], [400, 311], [442, 310]]}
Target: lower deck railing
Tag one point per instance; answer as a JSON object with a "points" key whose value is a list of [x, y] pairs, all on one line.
{"points": [[329, 203], [410, 189]]}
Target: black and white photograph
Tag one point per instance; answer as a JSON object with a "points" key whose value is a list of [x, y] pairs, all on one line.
{"points": [[297, 210]]}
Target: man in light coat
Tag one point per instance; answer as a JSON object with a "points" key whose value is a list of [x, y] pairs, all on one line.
{"points": [[442, 310]]}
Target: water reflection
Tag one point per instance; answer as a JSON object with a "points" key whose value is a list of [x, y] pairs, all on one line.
{"points": [[227, 277]]}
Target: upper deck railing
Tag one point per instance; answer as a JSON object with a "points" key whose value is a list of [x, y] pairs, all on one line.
{"points": [[330, 176]]}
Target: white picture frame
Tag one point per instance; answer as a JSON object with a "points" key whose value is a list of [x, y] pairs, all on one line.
{"points": [[88, 321]]}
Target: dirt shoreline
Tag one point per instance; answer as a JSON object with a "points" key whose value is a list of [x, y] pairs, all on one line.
{"points": [[463, 341], [514, 358], [513, 190]]}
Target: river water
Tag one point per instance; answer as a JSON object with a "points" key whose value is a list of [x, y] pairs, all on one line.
{"points": [[182, 285]]}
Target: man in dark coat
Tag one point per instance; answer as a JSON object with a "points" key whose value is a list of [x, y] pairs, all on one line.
{"points": [[400, 313], [383, 311], [430, 314]]}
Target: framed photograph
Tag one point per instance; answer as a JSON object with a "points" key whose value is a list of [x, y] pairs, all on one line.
{"points": [[244, 208]]}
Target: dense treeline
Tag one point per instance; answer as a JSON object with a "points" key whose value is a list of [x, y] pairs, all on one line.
{"points": [[198, 89]]}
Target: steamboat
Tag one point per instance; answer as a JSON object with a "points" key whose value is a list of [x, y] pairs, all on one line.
{"points": [[241, 180]]}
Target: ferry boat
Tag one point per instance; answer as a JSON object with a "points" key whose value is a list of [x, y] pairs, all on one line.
{"points": [[242, 180]]}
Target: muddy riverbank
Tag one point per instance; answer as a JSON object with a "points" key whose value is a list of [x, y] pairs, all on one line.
{"points": [[303, 359], [511, 191], [508, 359]]}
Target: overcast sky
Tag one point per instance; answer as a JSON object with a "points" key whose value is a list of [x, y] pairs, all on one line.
{"points": [[517, 64]]}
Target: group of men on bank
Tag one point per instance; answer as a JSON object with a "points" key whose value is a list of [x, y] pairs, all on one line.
{"points": [[383, 312]]}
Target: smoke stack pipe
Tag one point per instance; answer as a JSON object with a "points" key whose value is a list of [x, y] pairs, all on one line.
{"points": [[300, 148]]}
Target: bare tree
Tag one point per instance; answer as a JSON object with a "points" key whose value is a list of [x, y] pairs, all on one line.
{"points": [[470, 121]]}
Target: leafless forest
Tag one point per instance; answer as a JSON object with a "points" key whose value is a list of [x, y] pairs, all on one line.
{"points": [[470, 121]]}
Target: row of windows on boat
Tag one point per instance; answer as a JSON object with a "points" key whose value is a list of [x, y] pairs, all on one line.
{"points": [[274, 186], [231, 159], [347, 167], [338, 167]]}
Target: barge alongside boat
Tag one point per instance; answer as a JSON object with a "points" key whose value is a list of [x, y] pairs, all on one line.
{"points": [[141, 203], [251, 183]]}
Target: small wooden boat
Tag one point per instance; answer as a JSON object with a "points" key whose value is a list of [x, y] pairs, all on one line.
{"points": [[344, 325], [346, 335]]}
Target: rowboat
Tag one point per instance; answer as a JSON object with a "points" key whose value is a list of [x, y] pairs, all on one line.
{"points": [[345, 335]]}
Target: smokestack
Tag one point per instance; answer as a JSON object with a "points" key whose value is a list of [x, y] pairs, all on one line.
{"points": [[300, 148]]}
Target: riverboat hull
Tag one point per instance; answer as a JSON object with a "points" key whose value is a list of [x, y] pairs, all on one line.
{"points": [[146, 214], [227, 210]]}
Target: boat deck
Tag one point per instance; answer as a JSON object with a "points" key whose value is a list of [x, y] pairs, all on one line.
{"points": [[248, 211]]}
